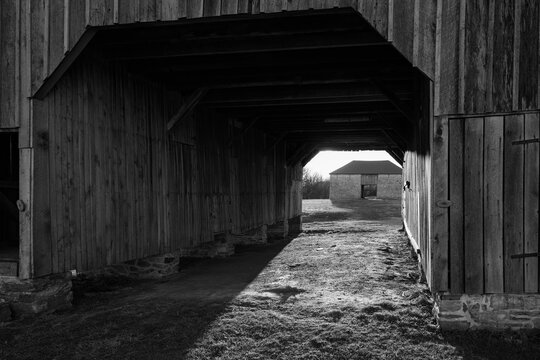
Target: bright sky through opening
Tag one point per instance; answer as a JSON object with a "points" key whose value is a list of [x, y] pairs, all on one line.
{"points": [[327, 161]]}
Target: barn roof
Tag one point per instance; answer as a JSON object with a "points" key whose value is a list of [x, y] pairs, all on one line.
{"points": [[368, 167]]}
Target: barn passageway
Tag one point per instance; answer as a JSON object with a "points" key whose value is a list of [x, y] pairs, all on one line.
{"points": [[326, 293], [346, 288]]}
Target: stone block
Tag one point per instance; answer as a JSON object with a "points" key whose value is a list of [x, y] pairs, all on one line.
{"points": [[28, 297], [5, 311], [450, 305], [453, 325]]}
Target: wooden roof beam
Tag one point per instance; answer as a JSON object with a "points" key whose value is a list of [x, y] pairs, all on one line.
{"points": [[394, 99], [187, 108]]}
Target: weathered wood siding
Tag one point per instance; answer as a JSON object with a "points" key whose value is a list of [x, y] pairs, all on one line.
{"points": [[114, 185], [487, 56], [482, 55], [493, 184], [36, 35], [9, 63], [418, 167]]}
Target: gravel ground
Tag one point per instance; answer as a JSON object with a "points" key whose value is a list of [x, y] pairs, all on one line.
{"points": [[345, 288]]}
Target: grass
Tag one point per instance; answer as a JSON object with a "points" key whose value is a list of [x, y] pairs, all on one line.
{"points": [[343, 294]]}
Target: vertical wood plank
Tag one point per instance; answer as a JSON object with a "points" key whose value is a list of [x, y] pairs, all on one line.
{"points": [[448, 60], [229, 7], [455, 158], [26, 180], [212, 8], [513, 203], [128, 11], [516, 52], [56, 35], [147, 10], [528, 55], [461, 66], [169, 10], [503, 62], [530, 206], [77, 21], [493, 203], [489, 57], [439, 178], [473, 212], [8, 94], [194, 8], [476, 26], [437, 105], [243, 6]]}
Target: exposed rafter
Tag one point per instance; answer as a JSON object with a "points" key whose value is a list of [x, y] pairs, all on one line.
{"points": [[187, 108]]}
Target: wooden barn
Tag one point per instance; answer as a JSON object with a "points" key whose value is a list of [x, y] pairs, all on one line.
{"points": [[366, 179], [131, 129]]}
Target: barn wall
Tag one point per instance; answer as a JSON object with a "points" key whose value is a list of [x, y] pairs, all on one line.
{"points": [[420, 166], [113, 185], [487, 56], [493, 179], [36, 35], [389, 186], [345, 187], [9, 63]]}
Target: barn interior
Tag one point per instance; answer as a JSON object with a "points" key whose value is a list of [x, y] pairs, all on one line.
{"points": [[9, 193], [316, 80]]}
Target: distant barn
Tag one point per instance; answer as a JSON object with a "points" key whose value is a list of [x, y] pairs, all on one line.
{"points": [[362, 179]]}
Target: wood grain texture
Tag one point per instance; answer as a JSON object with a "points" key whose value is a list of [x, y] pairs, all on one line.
{"points": [[121, 188], [439, 178], [475, 76], [527, 97], [455, 164], [448, 57], [513, 203], [376, 12], [472, 205], [530, 206], [493, 203], [8, 56], [503, 55], [403, 24]]}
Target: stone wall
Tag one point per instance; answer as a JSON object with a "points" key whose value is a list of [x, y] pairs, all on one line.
{"points": [[19, 298], [345, 187], [389, 186], [349, 187], [493, 311]]}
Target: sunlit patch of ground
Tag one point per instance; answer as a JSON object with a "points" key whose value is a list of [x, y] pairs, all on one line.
{"points": [[346, 288]]}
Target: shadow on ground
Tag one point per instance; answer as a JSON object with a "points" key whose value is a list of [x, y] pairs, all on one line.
{"points": [[345, 288], [125, 319]]}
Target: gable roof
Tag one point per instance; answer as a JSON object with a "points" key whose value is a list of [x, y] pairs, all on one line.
{"points": [[367, 167]]}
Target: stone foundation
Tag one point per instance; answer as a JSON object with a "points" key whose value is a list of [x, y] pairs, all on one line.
{"points": [[148, 268], [278, 230], [256, 236], [493, 312], [19, 298], [295, 225]]}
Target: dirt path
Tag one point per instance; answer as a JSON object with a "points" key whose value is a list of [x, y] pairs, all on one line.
{"points": [[346, 288]]}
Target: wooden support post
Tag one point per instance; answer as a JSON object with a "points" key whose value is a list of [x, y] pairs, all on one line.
{"points": [[187, 108], [299, 154]]}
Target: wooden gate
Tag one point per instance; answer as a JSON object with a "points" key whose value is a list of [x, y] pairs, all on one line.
{"points": [[493, 187]]}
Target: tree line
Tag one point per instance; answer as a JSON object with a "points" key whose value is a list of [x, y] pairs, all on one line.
{"points": [[314, 186]]}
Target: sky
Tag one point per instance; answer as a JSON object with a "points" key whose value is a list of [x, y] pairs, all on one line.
{"points": [[327, 161]]}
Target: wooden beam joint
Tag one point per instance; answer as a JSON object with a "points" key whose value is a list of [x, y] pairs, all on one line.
{"points": [[187, 108]]}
